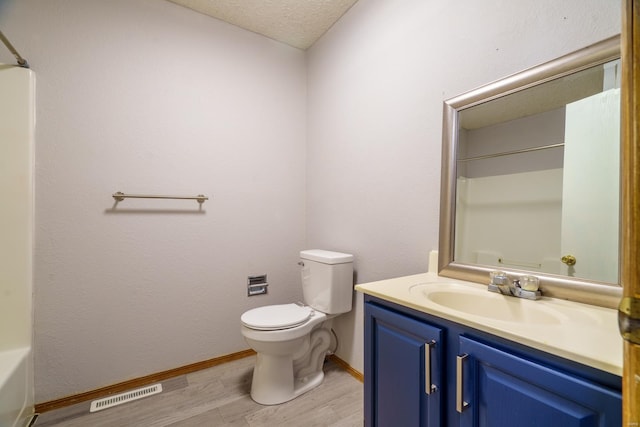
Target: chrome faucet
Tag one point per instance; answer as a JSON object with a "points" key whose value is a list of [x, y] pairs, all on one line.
{"points": [[502, 284]]}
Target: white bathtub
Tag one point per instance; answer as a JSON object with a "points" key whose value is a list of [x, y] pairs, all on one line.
{"points": [[15, 405]]}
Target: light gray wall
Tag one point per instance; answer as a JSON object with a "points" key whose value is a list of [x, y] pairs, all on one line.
{"points": [[145, 96], [376, 84]]}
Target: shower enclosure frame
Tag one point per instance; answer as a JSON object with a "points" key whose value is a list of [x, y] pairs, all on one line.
{"points": [[17, 133]]}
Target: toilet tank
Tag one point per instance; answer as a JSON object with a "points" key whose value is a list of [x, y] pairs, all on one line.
{"points": [[327, 280]]}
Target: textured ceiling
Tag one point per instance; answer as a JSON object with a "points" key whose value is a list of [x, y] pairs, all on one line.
{"points": [[298, 23]]}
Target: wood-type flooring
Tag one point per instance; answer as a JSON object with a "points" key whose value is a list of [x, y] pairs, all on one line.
{"points": [[219, 396]]}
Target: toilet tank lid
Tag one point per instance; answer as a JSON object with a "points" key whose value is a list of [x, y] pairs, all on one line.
{"points": [[326, 257]]}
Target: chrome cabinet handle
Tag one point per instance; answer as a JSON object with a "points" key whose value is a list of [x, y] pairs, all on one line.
{"points": [[460, 403], [428, 387]]}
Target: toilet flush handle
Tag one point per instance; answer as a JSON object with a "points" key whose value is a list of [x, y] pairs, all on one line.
{"points": [[301, 264]]}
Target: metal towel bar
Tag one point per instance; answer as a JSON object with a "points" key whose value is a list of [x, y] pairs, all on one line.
{"points": [[119, 196]]}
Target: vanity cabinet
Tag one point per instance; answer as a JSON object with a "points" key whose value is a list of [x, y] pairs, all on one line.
{"points": [[421, 370]]}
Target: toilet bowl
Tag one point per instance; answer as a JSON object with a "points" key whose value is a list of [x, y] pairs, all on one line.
{"points": [[292, 340], [275, 377]]}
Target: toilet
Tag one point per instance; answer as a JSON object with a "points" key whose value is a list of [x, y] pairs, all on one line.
{"points": [[292, 340]]}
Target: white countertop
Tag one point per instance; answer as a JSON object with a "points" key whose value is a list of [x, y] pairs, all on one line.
{"points": [[583, 333]]}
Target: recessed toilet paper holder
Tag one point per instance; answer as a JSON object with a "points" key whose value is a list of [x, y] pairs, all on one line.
{"points": [[257, 285]]}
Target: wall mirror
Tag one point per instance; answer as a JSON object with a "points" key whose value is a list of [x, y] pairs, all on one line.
{"points": [[530, 177]]}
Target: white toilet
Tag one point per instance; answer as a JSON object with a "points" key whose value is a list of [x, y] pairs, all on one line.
{"points": [[291, 340]]}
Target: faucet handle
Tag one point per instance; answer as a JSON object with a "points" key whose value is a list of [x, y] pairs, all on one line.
{"points": [[500, 282], [498, 277], [529, 283]]}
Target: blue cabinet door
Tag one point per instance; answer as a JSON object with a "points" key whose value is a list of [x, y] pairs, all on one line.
{"points": [[403, 370], [502, 389]]}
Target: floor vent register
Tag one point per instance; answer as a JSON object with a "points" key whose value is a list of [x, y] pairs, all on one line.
{"points": [[119, 399]]}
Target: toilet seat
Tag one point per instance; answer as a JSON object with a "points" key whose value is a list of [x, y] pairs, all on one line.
{"points": [[276, 317]]}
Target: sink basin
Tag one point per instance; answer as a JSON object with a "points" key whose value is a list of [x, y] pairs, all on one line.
{"points": [[473, 301]]}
